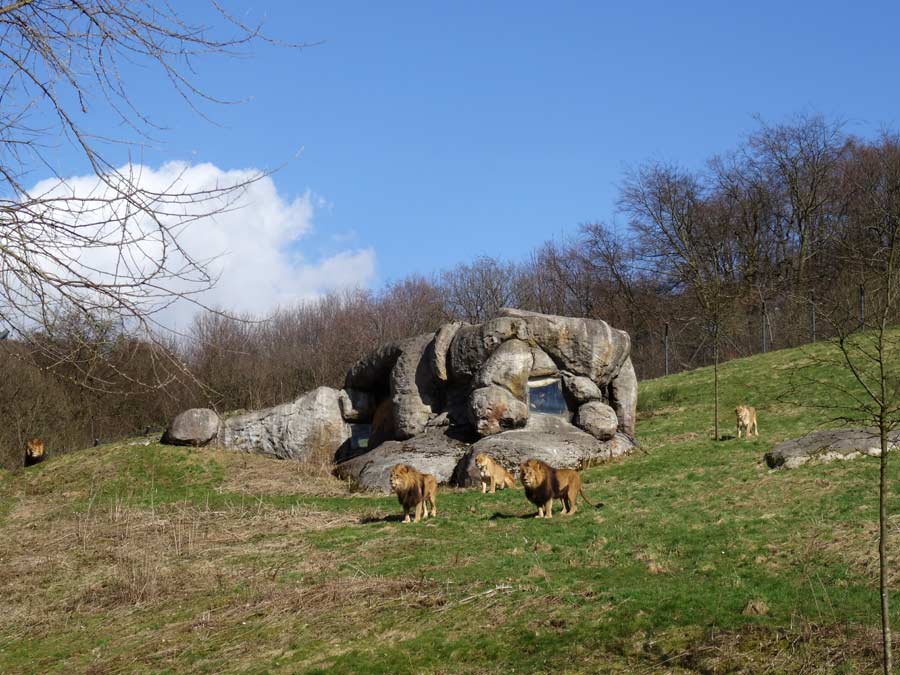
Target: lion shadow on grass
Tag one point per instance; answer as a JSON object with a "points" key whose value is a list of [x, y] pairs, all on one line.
{"points": [[391, 518], [505, 516]]}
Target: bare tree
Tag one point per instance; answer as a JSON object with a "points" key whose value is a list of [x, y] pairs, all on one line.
{"points": [[871, 352], [800, 161], [867, 348], [108, 249], [683, 235], [474, 292], [411, 306]]}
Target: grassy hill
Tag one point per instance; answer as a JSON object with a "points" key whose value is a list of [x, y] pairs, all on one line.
{"points": [[144, 558]]}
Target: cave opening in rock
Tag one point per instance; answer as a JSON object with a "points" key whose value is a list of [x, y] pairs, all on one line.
{"points": [[359, 436], [545, 395]]}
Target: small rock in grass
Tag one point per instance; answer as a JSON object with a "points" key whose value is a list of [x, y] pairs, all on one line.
{"points": [[756, 608]]}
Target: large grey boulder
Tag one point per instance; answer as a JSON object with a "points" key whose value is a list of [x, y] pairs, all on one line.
{"points": [[542, 365], [827, 446], [415, 392], [587, 347], [197, 426], [310, 428], [436, 451], [580, 389], [495, 409], [564, 448], [472, 344], [442, 341], [598, 419], [623, 395], [449, 456], [508, 367]]}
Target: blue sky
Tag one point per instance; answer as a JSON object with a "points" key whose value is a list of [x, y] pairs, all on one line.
{"points": [[435, 132]]}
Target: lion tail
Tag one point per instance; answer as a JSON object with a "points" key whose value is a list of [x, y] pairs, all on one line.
{"points": [[584, 497]]}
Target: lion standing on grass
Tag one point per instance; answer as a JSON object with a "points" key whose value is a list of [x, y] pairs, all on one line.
{"points": [[543, 483], [415, 491], [746, 421], [492, 474]]}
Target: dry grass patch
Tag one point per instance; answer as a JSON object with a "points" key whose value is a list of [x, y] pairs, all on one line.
{"points": [[803, 647], [121, 557], [247, 473]]}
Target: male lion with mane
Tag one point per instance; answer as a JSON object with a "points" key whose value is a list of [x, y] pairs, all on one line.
{"points": [[746, 421], [543, 483], [492, 474], [414, 490], [34, 451]]}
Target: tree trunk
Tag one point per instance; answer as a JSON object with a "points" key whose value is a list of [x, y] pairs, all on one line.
{"points": [[882, 553], [716, 381]]}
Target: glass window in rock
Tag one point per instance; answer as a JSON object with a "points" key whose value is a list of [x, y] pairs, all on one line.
{"points": [[545, 396], [359, 436]]}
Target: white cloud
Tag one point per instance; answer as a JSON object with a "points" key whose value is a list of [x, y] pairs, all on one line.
{"points": [[252, 246]]}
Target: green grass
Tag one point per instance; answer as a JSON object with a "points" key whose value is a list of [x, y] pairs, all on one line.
{"points": [[149, 558]]}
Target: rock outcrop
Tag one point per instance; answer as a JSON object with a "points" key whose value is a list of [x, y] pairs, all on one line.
{"points": [[828, 445], [435, 452], [587, 347], [415, 393], [623, 395], [310, 427], [495, 409], [451, 457], [580, 389], [197, 426], [598, 419], [521, 385], [569, 449]]}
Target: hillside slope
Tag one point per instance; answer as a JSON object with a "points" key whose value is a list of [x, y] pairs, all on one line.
{"points": [[139, 557]]}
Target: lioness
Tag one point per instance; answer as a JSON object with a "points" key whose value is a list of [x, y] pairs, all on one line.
{"points": [[414, 490], [34, 451], [492, 474], [746, 421], [542, 483]]}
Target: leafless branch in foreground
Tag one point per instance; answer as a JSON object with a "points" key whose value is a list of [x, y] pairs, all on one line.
{"points": [[105, 250]]}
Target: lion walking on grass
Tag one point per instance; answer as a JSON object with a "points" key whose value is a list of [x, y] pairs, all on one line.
{"points": [[746, 421], [543, 484], [415, 491]]}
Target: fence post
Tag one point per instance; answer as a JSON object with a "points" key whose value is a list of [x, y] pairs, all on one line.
{"points": [[862, 305], [765, 318], [812, 314], [666, 345]]}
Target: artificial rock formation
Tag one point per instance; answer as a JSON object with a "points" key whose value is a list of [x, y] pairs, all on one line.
{"points": [[478, 380], [519, 385]]}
